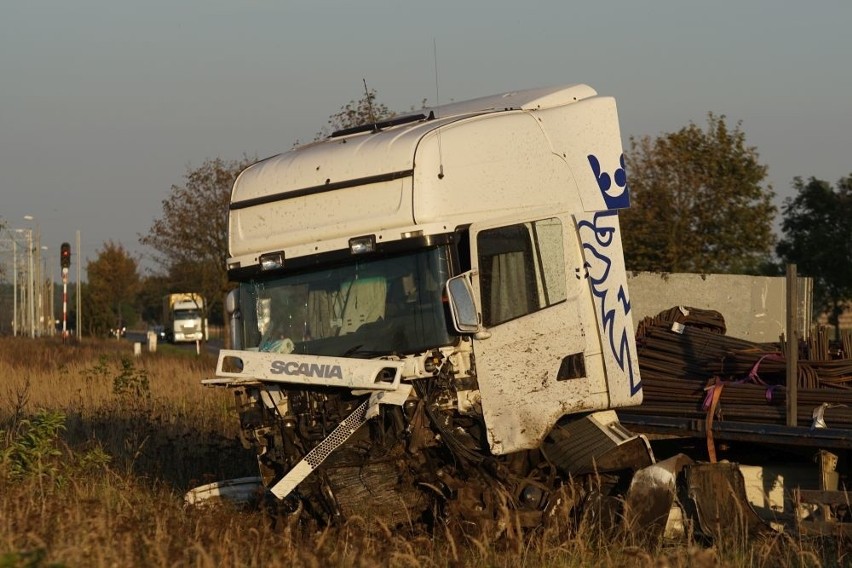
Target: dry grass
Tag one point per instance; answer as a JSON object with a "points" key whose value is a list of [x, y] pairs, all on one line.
{"points": [[133, 434]]}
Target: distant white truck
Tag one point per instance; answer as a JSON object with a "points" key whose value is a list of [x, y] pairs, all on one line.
{"points": [[183, 317]]}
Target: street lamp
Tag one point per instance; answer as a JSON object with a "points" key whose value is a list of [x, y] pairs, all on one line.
{"points": [[30, 302], [14, 287], [35, 276], [48, 324]]}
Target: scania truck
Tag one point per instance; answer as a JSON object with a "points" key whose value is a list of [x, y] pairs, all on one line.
{"points": [[432, 315]]}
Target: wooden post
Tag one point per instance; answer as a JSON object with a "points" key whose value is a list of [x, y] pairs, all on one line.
{"points": [[792, 346]]}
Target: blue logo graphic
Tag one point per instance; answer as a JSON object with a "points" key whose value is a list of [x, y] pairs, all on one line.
{"points": [[617, 197], [597, 236]]}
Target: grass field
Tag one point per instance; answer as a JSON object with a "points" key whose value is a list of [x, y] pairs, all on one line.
{"points": [[98, 447]]}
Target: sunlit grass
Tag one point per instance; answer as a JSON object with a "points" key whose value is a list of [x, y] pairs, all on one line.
{"points": [[98, 448]]}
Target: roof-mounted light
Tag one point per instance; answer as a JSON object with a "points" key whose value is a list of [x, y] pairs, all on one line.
{"points": [[362, 245], [272, 260]]}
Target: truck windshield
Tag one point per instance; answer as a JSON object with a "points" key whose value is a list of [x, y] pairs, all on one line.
{"points": [[187, 314], [367, 308]]}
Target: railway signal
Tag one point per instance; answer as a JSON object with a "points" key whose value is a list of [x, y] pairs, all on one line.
{"points": [[65, 257], [65, 264]]}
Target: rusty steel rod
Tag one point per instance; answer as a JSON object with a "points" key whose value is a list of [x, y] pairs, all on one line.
{"points": [[683, 354]]}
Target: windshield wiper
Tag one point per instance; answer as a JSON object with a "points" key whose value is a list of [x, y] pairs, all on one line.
{"points": [[356, 351], [352, 350]]}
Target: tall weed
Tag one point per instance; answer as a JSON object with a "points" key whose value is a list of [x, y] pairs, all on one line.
{"points": [[31, 445]]}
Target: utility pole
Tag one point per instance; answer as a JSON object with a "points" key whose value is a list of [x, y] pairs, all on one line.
{"points": [[31, 281], [14, 287], [78, 325], [43, 303]]}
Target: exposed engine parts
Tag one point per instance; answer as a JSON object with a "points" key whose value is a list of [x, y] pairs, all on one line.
{"points": [[424, 459]]}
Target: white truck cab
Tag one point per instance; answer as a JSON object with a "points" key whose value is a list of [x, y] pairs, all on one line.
{"points": [[467, 255]]}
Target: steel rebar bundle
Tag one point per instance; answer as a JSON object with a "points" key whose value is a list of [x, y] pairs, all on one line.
{"points": [[684, 357]]}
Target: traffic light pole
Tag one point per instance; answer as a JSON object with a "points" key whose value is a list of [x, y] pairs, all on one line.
{"points": [[65, 264], [64, 305]]}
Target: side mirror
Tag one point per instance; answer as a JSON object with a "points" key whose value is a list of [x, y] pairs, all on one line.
{"points": [[232, 312], [232, 302], [462, 304]]}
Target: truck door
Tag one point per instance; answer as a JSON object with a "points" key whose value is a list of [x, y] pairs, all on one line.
{"points": [[539, 357]]}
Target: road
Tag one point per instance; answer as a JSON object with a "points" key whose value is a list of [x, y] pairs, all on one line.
{"points": [[212, 346]]}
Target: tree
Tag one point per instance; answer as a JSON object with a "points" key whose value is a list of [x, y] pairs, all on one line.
{"points": [[357, 113], [152, 288], [698, 202], [817, 237], [192, 235], [111, 291]]}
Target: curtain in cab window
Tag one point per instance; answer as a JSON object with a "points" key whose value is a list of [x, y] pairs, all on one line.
{"points": [[522, 269]]}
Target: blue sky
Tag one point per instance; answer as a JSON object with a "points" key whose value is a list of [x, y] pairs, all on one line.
{"points": [[104, 104]]}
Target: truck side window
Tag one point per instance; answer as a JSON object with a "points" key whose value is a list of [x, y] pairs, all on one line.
{"points": [[522, 269]]}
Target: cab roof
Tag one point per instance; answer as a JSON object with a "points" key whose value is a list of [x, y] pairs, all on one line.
{"points": [[366, 151]]}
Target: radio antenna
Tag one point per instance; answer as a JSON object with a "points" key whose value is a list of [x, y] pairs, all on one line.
{"points": [[370, 106], [437, 105]]}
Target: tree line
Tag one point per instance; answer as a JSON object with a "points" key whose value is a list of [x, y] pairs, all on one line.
{"points": [[700, 203]]}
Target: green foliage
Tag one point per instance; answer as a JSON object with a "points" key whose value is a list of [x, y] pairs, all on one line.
{"points": [[111, 291], [191, 237], [30, 445], [30, 559], [817, 237], [699, 202], [98, 371], [127, 381], [32, 448], [131, 382], [92, 461]]}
